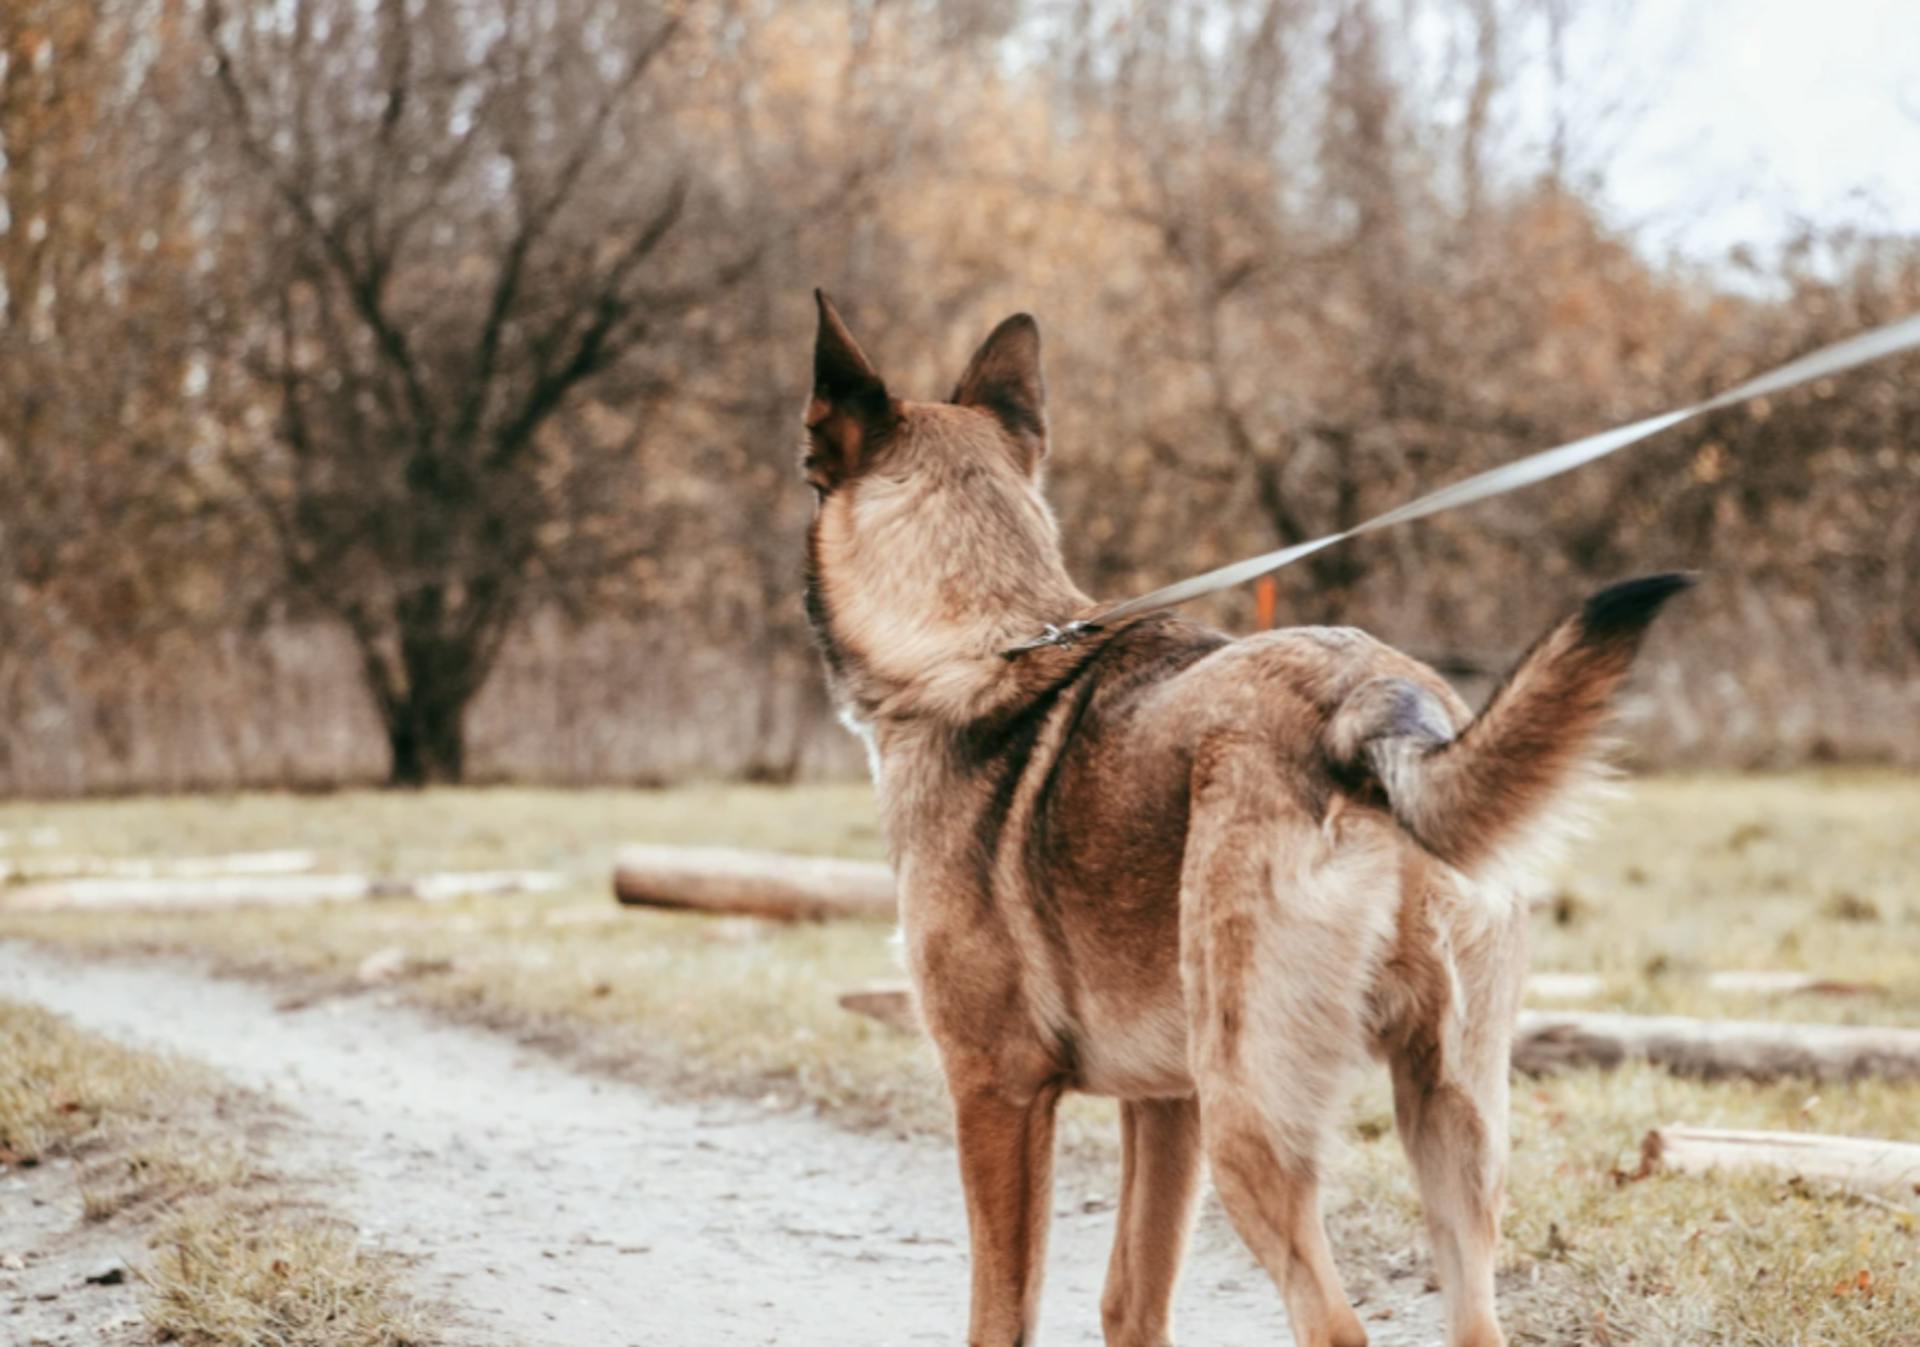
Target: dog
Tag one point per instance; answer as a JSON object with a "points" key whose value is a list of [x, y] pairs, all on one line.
{"points": [[1203, 876]]}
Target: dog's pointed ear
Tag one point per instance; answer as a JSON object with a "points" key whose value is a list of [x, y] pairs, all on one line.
{"points": [[1004, 378], [851, 412]]}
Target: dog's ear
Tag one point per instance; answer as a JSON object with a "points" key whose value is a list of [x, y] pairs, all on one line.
{"points": [[1004, 378], [851, 413]]}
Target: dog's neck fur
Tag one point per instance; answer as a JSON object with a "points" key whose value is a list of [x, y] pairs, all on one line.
{"points": [[912, 620], [932, 550]]}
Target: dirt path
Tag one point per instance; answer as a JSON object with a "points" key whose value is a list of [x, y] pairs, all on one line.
{"points": [[558, 1210]]}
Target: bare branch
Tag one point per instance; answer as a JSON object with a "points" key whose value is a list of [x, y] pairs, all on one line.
{"points": [[363, 279], [594, 346]]}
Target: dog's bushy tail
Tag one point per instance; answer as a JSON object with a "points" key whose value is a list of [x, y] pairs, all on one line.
{"points": [[1514, 770]]}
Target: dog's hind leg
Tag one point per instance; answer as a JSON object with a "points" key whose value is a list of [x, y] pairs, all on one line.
{"points": [[1450, 1103], [1159, 1178], [1006, 1167], [1277, 940]]}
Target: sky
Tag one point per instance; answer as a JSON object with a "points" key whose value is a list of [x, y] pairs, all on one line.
{"points": [[1749, 115]]}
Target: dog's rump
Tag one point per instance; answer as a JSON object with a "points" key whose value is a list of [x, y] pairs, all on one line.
{"points": [[1510, 777]]}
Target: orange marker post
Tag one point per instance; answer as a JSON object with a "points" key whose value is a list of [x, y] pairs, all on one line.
{"points": [[1266, 601]]}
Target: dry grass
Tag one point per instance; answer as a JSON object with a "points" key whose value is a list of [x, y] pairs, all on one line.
{"points": [[155, 1166], [62, 1091], [1811, 872], [1595, 1256], [230, 1267], [132, 1120], [271, 1278], [1690, 875]]}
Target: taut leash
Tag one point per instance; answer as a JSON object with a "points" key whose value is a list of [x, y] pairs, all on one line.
{"points": [[1874, 344]]}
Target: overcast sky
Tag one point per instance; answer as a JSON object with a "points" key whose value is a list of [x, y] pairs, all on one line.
{"points": [[1752, 113]]}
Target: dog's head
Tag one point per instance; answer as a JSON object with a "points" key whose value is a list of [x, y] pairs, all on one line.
{"points": [[932, 547]]}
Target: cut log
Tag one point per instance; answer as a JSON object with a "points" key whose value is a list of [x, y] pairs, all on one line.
{"points": [[889, 1002], [1859, 1164], [1784, 982], [1775, 982], [479, 883], [211, 891], [1715, 1049], [1566, 986], [36, 869], [1759, 981], [753, 883], [266, 890]]}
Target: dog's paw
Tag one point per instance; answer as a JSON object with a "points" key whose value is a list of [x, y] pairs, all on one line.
{"points": [[1484, 1334], [1347, 1330]]}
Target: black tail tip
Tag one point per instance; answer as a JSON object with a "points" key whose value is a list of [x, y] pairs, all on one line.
{"points": [[1625, 610]]}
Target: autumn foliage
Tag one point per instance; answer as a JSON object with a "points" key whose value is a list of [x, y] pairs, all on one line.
{"points": [[408, 390]]}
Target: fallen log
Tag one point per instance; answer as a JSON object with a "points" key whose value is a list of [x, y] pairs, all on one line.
{"points": [[753, 883], [37, 869], [1566, 986], [891, 1003], [444, 888], [1775, 982], [211, 891], [1859, 1164], [1782, 982], [1553, 1041], [1549, 1041], [266, 890]]}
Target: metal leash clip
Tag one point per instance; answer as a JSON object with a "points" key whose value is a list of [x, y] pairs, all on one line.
{"points": [[1071, 634]]}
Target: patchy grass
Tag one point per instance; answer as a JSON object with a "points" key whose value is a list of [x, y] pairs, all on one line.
{"points": [[1593, 1255], [416, 831], [62, 1091], [271, 1278], [632, 988], [231, 1266], [154, 1166], [128, 1118], [1817, 872]]}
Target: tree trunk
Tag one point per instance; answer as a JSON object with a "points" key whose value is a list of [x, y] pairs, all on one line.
{"points": [[426, 732], [444, 660]]}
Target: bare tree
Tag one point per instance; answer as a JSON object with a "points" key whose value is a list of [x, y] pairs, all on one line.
{"points": [[93, 231], [450, 349], [467, 215]]}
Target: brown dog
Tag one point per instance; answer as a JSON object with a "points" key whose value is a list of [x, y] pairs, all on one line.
{"points": [[1204, 876]]}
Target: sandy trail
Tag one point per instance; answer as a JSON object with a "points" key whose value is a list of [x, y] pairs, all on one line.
{"points": [[553, 1209]]}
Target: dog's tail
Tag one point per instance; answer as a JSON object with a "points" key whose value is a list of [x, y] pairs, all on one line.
{"points": [[1513, 771]]}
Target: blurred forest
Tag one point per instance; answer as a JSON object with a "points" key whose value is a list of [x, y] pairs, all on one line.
{"points": [[408, 389]]}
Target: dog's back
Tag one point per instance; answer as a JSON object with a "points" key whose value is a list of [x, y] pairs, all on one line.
{"points": [[1084, 825]]}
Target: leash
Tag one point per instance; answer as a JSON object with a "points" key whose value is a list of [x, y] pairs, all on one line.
{"points": [[1874, 344]]}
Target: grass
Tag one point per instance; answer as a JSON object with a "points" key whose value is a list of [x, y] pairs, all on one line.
{"points": [[61, 1090], [272, 1278], [1815, 871], [231, 1265], [1594, 1256]]}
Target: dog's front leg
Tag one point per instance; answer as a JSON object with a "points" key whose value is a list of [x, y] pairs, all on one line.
{"points": [[1006, 1165]]}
